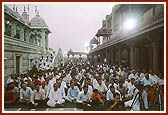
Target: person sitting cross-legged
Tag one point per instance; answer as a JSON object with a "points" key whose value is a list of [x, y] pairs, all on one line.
{"points": [[83, 98], [73, 92], [56, 97], [96, 101], [25, 94], [38, 97], [10, 96], [95, 98], [102, 88]]}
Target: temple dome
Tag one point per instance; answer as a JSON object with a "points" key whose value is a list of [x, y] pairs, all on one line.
{"points": [[38, 22]]}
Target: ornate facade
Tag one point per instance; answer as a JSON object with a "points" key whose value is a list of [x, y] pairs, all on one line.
{"points": [[140, 47], [24, 41]]}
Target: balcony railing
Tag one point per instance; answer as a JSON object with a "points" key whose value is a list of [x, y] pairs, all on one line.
{"points": [[18, 42], [122, 35]]}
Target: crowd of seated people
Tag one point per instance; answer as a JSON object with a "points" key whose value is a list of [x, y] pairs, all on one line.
{"points": [[100, 87]]}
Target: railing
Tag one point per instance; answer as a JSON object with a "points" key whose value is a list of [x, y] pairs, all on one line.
{"points": [[16, 38], [14, 41], [120, 34]]}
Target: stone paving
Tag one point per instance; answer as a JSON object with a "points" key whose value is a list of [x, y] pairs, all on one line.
{"points": [[43, 109]]}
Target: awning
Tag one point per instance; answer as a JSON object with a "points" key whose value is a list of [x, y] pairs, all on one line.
{"points": [[103, 32]]}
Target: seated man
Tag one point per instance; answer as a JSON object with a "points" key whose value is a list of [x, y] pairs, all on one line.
{"points": [[25, 94], [110, 96], [122, 89], [147, 82], [112, 82], [11, 78], [95, 98], [90, 89], [10, 96], [116, 104], [139, 101], [83, 98], [102, 88], [73, 92], [76, 83], [154, 77], [38, 97], [45, 88], [56, 97], [154, 100], [30, 84], [36, 81]]}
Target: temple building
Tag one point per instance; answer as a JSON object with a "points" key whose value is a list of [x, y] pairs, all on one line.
{"points": [[132, 34], [24, 40], [59, 58], [72, 53]]}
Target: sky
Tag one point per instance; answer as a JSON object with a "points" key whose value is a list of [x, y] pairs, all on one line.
{"points": [[72, 25]]}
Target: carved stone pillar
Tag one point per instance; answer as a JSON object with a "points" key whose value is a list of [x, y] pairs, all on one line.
{"points": [[132, 56], [43, 41], [155, 64], [22, 34]]}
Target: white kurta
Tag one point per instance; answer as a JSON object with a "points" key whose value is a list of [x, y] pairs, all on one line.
{"points": [[136, 104], [154, 78], [101, 88], [25, 93], [110, 96], [82, 97], [55, 97], [37, 95]]}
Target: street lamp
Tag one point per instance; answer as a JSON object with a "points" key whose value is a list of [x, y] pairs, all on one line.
{"points": [[130, 23]]}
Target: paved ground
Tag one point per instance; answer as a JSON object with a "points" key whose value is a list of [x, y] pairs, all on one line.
{"points": [[43, 109], [68, 106]]}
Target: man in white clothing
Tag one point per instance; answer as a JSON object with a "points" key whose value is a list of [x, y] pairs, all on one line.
{"points": [[25, 94], [11, 79], [142, 74], [139, 101], [83, 98], [112, 83], [45, 88], [131, 87], [102, 88], [147, 80], [133, 75], [52, 80], [110, 92], [38, 97], [154, 77], [56, 97]]}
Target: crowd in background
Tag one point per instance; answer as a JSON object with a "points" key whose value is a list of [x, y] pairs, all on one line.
{"points": [[90, 87]]}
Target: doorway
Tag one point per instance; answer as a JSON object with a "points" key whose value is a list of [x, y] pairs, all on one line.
{"points": [[18, 64]]}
